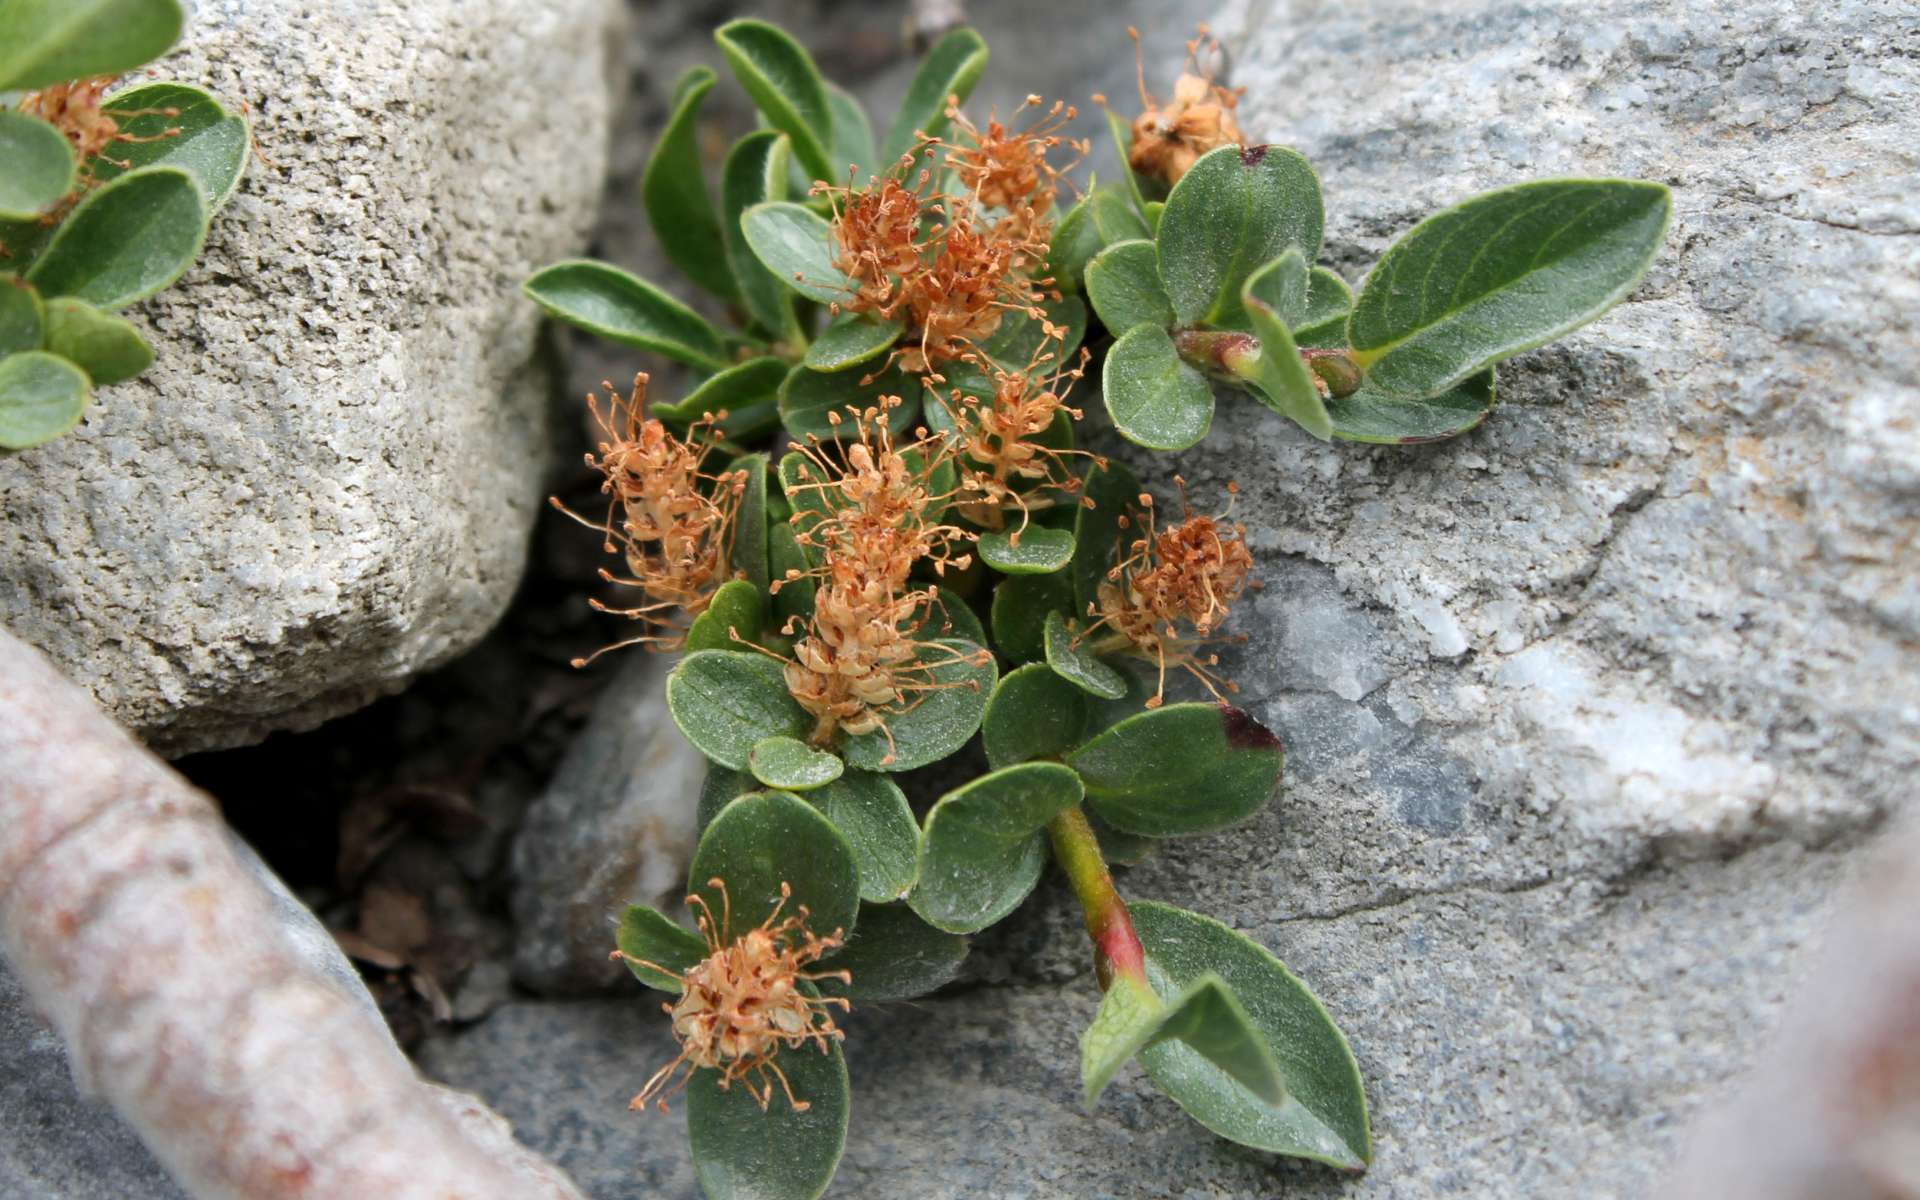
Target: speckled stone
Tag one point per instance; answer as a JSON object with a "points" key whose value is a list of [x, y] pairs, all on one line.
{"points": [[326, 482]]}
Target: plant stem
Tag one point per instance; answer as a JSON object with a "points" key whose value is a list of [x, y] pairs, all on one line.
{"points": [[1116, 947]]}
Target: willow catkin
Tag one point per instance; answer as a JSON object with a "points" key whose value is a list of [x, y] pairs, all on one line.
{"points": [[189, 1000]]}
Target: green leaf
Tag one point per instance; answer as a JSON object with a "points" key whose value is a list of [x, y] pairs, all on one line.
{"points": [[53, 41], [188, 129], [1076, 239], [872, 812], [1077, 664], [40, 166], [808, 398], [1232, 211], [1033, 713], [951, 68], [793, 601], [1020, 607], [750, 524], [23, 318], [1122, 132], [1039, 550], [607, 301], [108, 348], [894, 955], [743, 1153], [796, 245], [41, 397], [785, 86], [983, 848], [127, 240], [1021, 336], [851, 341], [1324, 1117], [763, 840], [1122, 849], [674, 190], [1114, 216], [736, 606], [748, 393], [649, 939], [1206, 1016], [1324, 325], [1101, 527], [756, 171], [942, 718], [726, 701], [948, 615], [1182, 769], [1370, 416], [1276, 295], [852, 134], [1504, 272], [1155, 400], [784, 762], [718, 789], [1123, 284]]}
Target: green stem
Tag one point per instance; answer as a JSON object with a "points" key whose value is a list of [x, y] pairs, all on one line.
{"points": [[1117, 949]]}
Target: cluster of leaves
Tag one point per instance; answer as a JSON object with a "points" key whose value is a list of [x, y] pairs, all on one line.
{"points": [[105, 198], [1031, 640]]}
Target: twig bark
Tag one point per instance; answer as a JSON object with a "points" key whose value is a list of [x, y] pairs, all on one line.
{"points": [[196, 996]]}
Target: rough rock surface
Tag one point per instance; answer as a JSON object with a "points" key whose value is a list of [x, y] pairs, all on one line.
{"points": [[1586, 711], [325, 483], [615, 827]]}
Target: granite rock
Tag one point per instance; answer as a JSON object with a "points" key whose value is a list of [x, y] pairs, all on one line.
{"points": [[325, 483]]}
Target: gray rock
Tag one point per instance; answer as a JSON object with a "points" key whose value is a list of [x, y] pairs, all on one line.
{"points": [[615, 827], [325, 484], [57, 1144]]}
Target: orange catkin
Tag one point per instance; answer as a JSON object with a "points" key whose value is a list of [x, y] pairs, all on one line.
{"points": [[1168, 139]]}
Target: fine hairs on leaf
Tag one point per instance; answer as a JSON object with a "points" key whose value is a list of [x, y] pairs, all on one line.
{"points": [[932, 560]]}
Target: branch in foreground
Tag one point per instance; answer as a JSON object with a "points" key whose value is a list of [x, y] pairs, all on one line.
{"points": [[194, 996]]}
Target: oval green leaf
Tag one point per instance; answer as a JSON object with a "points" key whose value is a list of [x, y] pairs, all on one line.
{"points": [[727, 701], [108, 348], [1371, 416], [872, 812], [951, 68], [607, 301], [756, 171], [1504, 272], [809, 399], [734, 615], [23, 318], [1077, 664], [785, 86], [894, 955], [789, 763], [1324, 1117], [127, 240], [793, 597], [763, 840], [1033, 713], [750, 523], [40, 166], [1324, 325], [1038, 551], [1275, 295], [1101, 530], [41, 397], [1207, 1016], [852, 142], [188, 129], [1123, 285], [741, 1152], [658, 950], [948, 615], [1155, 400], [941, 720], [1182, 769], [1076, 240], [749, 395], [53, 41], [983, 847], [674, 190], [1021, 335], [718, 789], [1232, 211], [851, 341], [1020, 607], [796, 245], [1115, 218]]}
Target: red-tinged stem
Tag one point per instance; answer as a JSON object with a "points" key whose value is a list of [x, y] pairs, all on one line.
{"points": [[1116, 947]]}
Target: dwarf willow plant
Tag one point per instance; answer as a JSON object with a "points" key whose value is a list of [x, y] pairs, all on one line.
{"points": [[106, 194], [931, 562]]}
